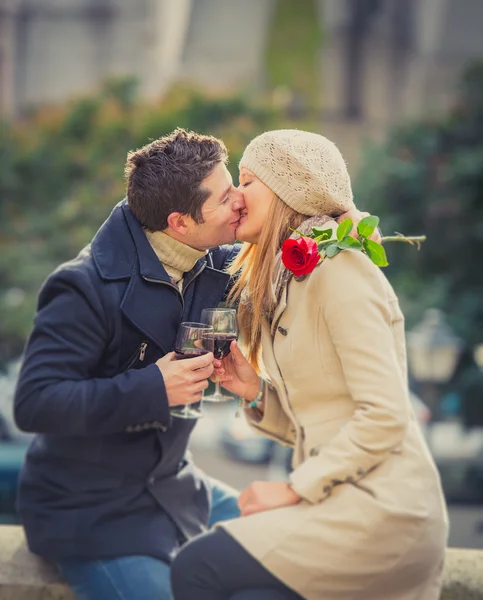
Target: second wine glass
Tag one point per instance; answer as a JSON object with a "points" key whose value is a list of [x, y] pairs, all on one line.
{"points": [[225, 330], [193, 339]]}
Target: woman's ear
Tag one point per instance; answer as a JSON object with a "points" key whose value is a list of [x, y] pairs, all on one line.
{"points": [[179, 223]]}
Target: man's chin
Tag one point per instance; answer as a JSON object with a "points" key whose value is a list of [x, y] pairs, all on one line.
{"points": [[228, 239]]}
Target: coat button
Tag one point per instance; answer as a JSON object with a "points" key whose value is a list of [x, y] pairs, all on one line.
{"points": [[282, 330], [152, 481], [314, 452], [360, 472]]}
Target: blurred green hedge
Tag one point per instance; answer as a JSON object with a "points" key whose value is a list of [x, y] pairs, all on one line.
{"points": [[427, 178], [61, 172]]}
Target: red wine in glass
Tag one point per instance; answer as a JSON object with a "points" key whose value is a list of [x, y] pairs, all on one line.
{"points": [[183, 355], [225, 329], [222, 344], [192, 340]]}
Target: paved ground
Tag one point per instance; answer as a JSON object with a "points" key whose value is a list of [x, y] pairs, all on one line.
{"points": [[466, 526]]}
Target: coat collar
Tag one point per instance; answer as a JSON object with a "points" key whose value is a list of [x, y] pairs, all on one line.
{"points": [[121, 250], [120, 245]]}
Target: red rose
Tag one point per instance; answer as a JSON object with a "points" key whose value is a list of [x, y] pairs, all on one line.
{"points": [[300, 256]]}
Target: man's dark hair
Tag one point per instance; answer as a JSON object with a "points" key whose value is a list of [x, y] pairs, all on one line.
{"points": [[165, 176]]}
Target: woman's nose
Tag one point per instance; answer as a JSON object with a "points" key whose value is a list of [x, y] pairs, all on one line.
{"points": [[239, 200]]}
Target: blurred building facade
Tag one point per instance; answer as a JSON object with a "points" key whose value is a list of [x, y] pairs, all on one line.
{"points": [[388, 59], [53, 49], [382, 59]]}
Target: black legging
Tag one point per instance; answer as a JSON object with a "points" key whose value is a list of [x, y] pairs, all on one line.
{"points": [[215, 567]]}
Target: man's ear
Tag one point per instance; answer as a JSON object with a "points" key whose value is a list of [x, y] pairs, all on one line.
{"points": [[179, 223]]}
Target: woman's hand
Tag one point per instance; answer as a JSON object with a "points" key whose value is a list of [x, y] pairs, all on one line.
{"points": [[356, 216], [236, 374], [266, 495]]}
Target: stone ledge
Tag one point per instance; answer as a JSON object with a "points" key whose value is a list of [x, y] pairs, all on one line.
{"points": [[463, 575], [24, 576]]}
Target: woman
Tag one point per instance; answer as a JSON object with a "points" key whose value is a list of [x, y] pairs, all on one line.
{"points": [[362, 515]]}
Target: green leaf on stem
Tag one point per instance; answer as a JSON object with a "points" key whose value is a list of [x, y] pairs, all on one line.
{"points": [[344, 229], [367, 226], [376, 253], [322, 234], [323, 245], [332, 249], [349, 243]]}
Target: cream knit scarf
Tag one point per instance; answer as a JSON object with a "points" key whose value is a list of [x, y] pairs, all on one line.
{"points": [[177, 258]]}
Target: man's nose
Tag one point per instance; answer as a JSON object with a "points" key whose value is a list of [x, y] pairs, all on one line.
{"points": [[238, 200]]}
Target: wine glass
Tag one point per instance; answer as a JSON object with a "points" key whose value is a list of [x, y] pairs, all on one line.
{"points": [[225, 330], [193, 339]]}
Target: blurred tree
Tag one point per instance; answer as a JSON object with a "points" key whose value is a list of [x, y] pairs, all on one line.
{"points": [[293, 56], [402, 25], [471, 385], [427, 177], [360, 14], [61, 173]]}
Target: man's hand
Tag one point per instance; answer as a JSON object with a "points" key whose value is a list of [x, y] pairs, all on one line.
{"points": [[266, 495], [356, 216], [237, 375], [185, 380]]}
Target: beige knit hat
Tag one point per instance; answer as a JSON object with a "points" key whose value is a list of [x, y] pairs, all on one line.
{"points": [[306, 171]]}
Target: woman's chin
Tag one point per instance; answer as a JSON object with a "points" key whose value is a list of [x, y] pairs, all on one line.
{"points": [[246, 233], [243, 235], [240, 230]]}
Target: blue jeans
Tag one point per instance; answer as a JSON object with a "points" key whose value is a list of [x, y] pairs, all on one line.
{"points": [[138, 577]]}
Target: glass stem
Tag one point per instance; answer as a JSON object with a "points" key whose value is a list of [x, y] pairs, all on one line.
{"points": [[217, 387]]}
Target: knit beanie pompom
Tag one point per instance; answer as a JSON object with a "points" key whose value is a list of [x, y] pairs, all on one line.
{"points": [[305, 170]]}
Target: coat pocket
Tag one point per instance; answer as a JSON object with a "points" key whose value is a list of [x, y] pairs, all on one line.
{"points": [[138, 356]]}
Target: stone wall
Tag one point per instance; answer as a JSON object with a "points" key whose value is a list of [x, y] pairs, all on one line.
{"points": [[23, 576]]}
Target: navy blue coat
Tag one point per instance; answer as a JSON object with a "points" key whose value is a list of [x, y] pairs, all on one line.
{"points": [[108, 473]]}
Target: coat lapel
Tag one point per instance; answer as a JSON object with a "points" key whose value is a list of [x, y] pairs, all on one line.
{"points": [[155, 309], [279, 309], [206, 291], [273, 370], [271, 366], [151, 302]]}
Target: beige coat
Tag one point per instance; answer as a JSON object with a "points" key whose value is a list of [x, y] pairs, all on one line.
{"points": [[372, 524]]}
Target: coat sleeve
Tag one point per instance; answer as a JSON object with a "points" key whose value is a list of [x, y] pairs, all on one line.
{"points": [[273, 422], [353, 303], [57, 390]]}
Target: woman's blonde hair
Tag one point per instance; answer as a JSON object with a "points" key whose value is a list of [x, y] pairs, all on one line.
{"points": [[254, 267]]}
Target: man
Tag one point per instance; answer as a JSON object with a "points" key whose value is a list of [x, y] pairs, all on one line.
{"points": [[107, 491]]}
